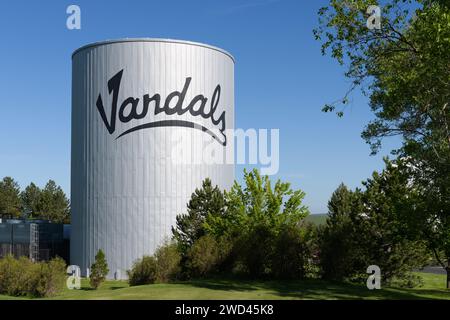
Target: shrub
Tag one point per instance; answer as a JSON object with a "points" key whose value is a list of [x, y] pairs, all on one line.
{"points": [[15, 275], [22, 277], [162, 266], [168, 260], [254, 250], [207, 255], [294, 249], [144, 271], [99, 270], [48, 278]]}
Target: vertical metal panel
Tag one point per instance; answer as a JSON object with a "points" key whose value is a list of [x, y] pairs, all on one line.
{"points": [[127, 191], [21, 233], [5, 233]]}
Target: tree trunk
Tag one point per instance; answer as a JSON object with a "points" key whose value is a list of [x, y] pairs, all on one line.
{"points": [[448, 275]]}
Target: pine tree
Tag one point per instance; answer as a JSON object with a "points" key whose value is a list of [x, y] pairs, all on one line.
{"points": [[206, 201], [99, 270], [9, 198], [30, 198]]}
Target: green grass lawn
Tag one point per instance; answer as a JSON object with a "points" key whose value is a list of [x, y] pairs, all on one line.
{"points": [[233, 289]]}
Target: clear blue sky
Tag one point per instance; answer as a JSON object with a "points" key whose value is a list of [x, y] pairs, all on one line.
{"points": [[281, 81]]}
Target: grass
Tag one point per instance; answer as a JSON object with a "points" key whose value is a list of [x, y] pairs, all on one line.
{"points": [[235, 290]]}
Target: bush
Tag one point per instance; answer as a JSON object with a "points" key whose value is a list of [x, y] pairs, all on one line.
{"points": [[15, 275], [207, 255], [168, 260], [22, 277], [144, 271], [99, 270], [294, 249], [163, 266], [48, 278], [254, 251]]}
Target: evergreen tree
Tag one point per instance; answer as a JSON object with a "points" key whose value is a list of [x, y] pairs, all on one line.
{"points": [[53, 203], [337, 241], [99, 270], [189, 227], [9, 198], [30, 198]]}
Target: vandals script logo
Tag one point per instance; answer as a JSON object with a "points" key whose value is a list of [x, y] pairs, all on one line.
{"points": [[128, 110]]}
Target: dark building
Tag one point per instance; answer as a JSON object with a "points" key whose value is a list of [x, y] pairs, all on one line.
{"points": [[39, 240]]}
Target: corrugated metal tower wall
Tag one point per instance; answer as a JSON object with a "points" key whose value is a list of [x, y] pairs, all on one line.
{"points": [[127, 189]]}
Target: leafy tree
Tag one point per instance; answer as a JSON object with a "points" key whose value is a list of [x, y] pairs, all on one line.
{"points": [[255, 215], [206, 201], [99, 270], [404, 69], [9, 198], [258, 204]]}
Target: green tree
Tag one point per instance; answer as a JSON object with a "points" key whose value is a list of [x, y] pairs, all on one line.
{"points": [[30, 198], [339, 255], [404, 69], [53, 204], [9, 198], [99, 270], [189, 227], [256, 204], [366, 228], [255, 215], [389, 202]]}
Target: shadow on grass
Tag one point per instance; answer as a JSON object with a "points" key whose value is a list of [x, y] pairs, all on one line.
{"points": [[315, 289], [86, 289], [117, 287]]}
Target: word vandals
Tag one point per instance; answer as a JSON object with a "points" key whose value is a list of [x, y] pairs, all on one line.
{"points": [[128, 110]]}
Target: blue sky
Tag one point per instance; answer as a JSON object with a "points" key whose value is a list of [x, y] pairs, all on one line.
{"points": [[281, 81]]}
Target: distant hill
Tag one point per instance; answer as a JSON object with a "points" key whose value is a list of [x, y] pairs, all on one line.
{"points": [[318, 218]]}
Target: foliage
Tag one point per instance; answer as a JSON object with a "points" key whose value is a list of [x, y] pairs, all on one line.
{"points": [[167, 261], [53, 204], [99, 270], [49, 278], [404, 67], [206, 255], [339, 247], [144, 271], [207, 201], [9, 198], [294, 254], [254, 217], [30, 198], [256, 206], [364, 228], [49, 203], [22, 277], [162, 266]]}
